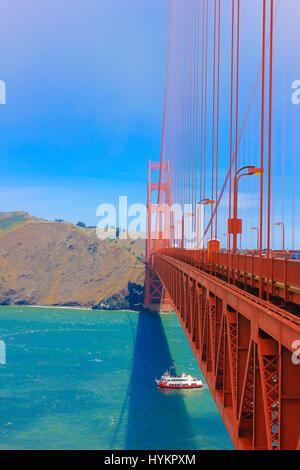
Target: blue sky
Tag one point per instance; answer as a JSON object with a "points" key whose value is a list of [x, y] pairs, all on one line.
{"points": [[84, 103], [85, 82]]}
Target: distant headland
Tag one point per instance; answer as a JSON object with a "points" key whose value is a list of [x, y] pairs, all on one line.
{"points": [[61, 264]]}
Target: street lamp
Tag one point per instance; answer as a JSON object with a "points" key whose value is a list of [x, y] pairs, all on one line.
{"points": [[172, 235], [281, 224], [256, 229], [176, 229], [235, 224], [182, 227], [226, 235], [204, 202]]}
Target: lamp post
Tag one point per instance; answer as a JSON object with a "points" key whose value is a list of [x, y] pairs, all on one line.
{"points": [[235, 224], [175, 228], [204, 202], [172, 236], [257, 232], [182, 227], [226, 235], [281, 224]]}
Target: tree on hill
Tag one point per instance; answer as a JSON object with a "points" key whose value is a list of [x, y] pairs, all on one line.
{"points": [[81, 224]]}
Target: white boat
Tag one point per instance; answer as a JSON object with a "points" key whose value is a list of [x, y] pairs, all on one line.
{"points": [[178, 381]]}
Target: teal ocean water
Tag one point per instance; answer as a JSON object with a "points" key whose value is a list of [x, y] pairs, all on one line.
{"points": [[77, 379]]}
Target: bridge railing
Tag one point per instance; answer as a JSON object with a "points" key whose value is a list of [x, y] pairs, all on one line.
{"points": [[244, 269]]}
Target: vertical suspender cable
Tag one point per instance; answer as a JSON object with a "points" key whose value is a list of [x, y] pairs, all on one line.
{"points": [[197, 114], [270, 149], [162, 150], [231, 124], [294, 179], [218, 114], [213, 116], [201, 138], [205, 109], [262, 148], [236, 116]]}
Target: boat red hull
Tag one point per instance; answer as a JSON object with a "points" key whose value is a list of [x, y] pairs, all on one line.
{"points": [[180, 386]]}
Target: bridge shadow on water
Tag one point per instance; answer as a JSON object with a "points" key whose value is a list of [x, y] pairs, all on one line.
{"points": [[156, 419]]}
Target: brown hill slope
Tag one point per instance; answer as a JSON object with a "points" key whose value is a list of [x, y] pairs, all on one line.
{"points": [[57, 263]]}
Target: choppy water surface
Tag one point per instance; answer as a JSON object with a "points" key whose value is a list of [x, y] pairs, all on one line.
{"points": [[78, 379]]}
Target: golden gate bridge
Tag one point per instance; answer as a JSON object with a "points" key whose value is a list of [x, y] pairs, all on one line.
{"points": [[222, 224]]}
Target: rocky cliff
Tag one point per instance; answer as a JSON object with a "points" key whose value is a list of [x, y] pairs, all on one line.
{"points": [[57, 263]]}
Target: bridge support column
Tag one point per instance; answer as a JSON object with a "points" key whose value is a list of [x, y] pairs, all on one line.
{"points": [[156, 297]]}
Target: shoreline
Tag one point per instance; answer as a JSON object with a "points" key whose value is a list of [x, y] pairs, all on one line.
{"points": [[79, 308], [54, 306], [66, 308]]}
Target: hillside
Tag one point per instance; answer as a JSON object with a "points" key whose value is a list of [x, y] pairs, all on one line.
{"points": [[9, 220], [58, 263]]}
